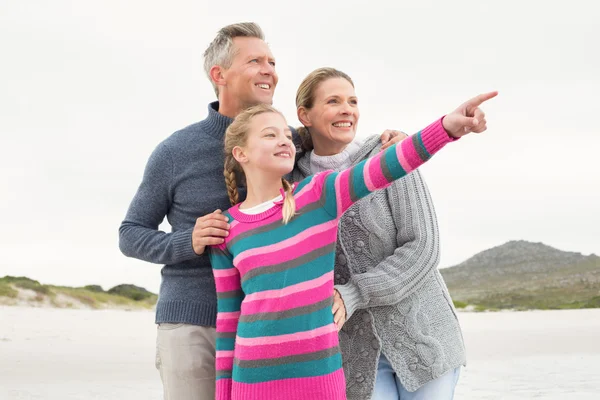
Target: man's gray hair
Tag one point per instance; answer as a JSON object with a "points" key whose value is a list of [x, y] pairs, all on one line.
{"points": [[220, 51]]}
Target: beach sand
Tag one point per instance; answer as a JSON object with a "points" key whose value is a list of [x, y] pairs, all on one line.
{"points": [[63, 354]]}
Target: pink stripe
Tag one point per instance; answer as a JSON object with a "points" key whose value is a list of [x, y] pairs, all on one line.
{"points": [[331, 387], [402, 160], [376, 173], [227, 325], [276, 350], [224, 353], [286, 291], [295, 300], [290, 337], [342, 189], [223, 389], [228, 315], [291, 247], [221, 273], [411, 155], [367, 176], [224, 363], [228, 284]]}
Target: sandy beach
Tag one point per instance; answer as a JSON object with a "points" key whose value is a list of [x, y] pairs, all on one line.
{"points": [[56, 354]]}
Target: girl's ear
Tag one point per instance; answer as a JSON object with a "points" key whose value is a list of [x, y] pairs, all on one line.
{"points": [[303, 116], [239, 154]]}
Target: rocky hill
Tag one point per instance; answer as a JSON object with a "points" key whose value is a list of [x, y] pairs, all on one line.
{"points": [[524, 275]]}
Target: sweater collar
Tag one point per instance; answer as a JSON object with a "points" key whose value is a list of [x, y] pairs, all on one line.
{"points": [[216, 124], [369, 147]]}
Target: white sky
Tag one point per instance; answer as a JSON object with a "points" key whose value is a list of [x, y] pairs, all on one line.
{"points": [[88, 89]]}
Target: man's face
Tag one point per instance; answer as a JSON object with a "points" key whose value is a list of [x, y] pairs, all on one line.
{"points": [[251, 79]]}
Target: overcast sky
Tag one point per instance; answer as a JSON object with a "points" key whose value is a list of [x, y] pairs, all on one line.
{"points": [[88, 89]]}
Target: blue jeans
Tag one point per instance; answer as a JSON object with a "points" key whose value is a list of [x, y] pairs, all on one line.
{"points": [[388, 386]]}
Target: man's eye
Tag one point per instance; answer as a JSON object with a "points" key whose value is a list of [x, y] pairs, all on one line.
{"points": [[272, 63], [255, 60]]}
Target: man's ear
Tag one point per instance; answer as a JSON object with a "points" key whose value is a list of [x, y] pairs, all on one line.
{"points": [[303, 116], [239, 155], [217, 75]]}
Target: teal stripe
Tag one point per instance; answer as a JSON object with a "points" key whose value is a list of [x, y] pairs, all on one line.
{"points": [[286, 326], [225, 344], [283, 232], [296, 370], [359, 188], [223, 375], [300, 185], [220, 260], [278, 280], [393, 164], [330, 196], [230, 304]]}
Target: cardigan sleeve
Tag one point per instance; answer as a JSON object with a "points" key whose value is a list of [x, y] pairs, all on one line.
{"points": [[417, 255]]}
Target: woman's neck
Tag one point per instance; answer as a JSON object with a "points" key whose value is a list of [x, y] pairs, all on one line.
{"points": [[338, 161]]}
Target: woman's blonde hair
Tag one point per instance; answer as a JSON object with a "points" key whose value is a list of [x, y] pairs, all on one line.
{"points": [[305, 96], [237, 135]]}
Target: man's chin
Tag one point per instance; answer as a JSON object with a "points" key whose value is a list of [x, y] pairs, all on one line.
{"points": [[261, 100]]}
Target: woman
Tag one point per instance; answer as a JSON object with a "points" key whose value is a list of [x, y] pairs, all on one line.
{"points": [[403, 340], [276, 335]]}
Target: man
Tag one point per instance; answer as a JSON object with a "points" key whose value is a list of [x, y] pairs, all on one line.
{"points": [[183, 180]]}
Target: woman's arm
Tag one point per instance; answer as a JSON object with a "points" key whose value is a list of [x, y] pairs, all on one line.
{"points": [[417, 255], [229, 301]]}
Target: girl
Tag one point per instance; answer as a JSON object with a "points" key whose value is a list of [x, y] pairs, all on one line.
{"points": [[276, 335]]}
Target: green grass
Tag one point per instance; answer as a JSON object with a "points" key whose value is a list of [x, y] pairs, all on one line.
{"points": [[459, 304], [6, 290], [26, 283], [126, 296]]}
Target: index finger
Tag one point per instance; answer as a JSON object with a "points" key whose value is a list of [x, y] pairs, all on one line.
{"points": [[478, 100]]}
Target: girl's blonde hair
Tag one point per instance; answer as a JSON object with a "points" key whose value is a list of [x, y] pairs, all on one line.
{"points": [[237, 135], [305, 96]]}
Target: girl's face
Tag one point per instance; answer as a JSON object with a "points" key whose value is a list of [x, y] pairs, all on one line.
{"points": [[334, 116], [269, 147]]}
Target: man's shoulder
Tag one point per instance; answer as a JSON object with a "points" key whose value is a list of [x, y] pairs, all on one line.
{"points": [[183, 133]]}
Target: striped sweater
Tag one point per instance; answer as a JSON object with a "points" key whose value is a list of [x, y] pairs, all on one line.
{"points": [[276, 338]]}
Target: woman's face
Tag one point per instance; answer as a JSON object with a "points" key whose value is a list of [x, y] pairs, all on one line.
{"points": [[333, 119]]}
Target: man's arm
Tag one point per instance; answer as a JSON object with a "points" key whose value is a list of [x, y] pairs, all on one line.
{"points": [[139, 236]]}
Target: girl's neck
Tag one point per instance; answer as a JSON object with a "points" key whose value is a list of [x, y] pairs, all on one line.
{"points": [[261, 189]]}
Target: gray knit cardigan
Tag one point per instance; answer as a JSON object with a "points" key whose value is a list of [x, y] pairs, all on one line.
{"points": [[396, 300]]}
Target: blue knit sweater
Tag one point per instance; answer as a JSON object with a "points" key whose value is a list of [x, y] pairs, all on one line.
{"points": [[183, 181]]}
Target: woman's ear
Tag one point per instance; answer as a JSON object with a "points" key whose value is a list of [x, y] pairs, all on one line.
{"points": [[239, 155], [303, 116]]}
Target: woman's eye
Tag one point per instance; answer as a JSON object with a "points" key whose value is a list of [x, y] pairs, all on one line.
{"points": [[332, 101], [254, 60]]}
